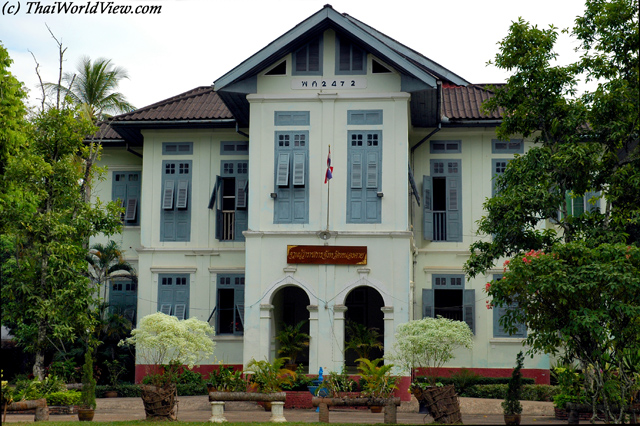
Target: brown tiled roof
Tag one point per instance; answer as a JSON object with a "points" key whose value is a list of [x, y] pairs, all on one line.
{"points": [[106, 132], [465, 102], [201, 103]]}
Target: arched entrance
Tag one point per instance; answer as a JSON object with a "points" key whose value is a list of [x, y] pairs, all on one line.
{"points": [[290, 308], [363, 313]]}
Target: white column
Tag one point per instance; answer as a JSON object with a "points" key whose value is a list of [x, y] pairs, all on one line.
{"points": [[266, 311], [389, 330], [277, 412], [338, 330], [314, 342]]}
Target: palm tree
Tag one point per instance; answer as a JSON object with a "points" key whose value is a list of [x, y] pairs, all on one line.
{"points": [[362, 339], [93, 88], [106, 261]]}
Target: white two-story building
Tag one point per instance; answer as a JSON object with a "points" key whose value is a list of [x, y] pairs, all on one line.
{"points": [[230, 216]]}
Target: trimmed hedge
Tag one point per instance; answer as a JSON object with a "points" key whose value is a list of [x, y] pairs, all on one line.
{"points": [[461, 384], [499, 391], [134, 391], [70, 397]]}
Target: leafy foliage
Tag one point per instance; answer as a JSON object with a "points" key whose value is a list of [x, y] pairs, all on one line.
{"points": [[164, 340], [376, 380], [362, 339], [269, 377], [292, 341], [226, 379], [429, 343]]}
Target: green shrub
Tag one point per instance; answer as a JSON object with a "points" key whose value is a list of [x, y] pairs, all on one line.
{"points": [[35, 389], [124, 390], [463, 381], [499, 391], [191, 389], [71, 397]]}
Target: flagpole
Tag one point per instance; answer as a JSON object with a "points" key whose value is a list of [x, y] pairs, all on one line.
{"points": [[328, 192]]}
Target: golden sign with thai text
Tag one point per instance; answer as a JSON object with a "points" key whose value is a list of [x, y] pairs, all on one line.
{"points": [[327, 255]]}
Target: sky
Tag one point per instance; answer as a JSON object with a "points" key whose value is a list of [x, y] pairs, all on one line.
{"points": [[192, 43]]}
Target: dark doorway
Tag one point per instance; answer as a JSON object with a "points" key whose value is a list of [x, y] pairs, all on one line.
{"points": [[364, 308], [290, 308]]}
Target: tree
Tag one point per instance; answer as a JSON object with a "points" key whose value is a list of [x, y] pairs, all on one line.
{"points": [[46, 295], [560, 277], [93, 88], [429, 343]]}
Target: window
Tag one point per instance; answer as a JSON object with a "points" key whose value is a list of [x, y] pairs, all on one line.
{"points": [[445, 147], [513, 146], [368, 117], [291, 118], [126, 188], [378, 68], [350, 59], [177, 148], [123, 297], [230, 201], [577, 205], [498, 331], [175, 213], [498, 167], [442, 208], [280, 69], [230, 304], [308, 59], [234, 148], [173, 295], [291, 177], [448, 298], [364, 179]]}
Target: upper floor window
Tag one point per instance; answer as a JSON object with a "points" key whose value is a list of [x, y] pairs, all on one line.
{"points": [[350, 59], [230, 201], [291, 204], [126, 188], [177, 148], [442, 208], [173, 295], [175, 213], [364, 179], [308, 59], [445, 147], [234, 148], [498, 329], [513, 146]]}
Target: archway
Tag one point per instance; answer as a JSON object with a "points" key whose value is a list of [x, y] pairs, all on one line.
{"points": [[290, 308], [364, 310]]}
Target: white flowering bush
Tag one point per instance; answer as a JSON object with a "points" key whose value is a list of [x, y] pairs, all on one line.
{"points": [[429, 343], [169, 343]]}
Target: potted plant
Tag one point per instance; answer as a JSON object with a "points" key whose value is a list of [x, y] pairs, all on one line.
{"points": [[164, 344], [511, 405], [429, 343], [376, 380], [292, 341], [115, 369], [362, 339], [269, 377], [225, 379], [87, 405]]}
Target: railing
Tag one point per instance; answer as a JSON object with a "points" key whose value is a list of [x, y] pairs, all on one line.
{"points": [[450, 313], [439, 226], [228, 225]]}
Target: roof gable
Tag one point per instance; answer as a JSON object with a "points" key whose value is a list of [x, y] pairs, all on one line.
{"points": [[396, 54]]}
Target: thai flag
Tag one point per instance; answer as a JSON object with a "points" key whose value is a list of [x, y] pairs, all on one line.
{"points": [[329, 174]]}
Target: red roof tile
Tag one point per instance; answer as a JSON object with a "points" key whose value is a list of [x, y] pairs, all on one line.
{"points": [[464, 102], [201, 103]]}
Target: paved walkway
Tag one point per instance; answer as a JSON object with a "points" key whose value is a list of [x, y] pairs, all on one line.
{"points": [[197, 409]]}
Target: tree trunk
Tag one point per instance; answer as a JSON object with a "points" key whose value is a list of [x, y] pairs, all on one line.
{"points": [[40, 405]]}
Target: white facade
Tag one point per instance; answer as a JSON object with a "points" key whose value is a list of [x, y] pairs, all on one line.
{"points": [[403, 269]]}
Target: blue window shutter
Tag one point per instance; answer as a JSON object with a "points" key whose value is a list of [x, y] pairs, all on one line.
{"points": [[165, 308], [238, 296], [241, 193], [498, 167], [183, 194], [372, 170], [427, 303], [167, 197], [299, 159], [356, 170], [183, 225], [427, 212], [578, 206], [282, 173], [168, 227], [241, 224], [214, 193], [469, 308], [131, 209], [219, 223], [454, 224]]}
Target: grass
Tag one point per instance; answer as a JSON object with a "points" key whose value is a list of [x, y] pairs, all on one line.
{"points": [[179, 423]]}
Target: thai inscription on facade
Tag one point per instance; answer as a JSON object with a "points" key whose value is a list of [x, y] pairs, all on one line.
{"points": [[327, 255]]}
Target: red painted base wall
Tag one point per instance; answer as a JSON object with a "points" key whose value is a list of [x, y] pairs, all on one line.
{"points": [[143, 370]]}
